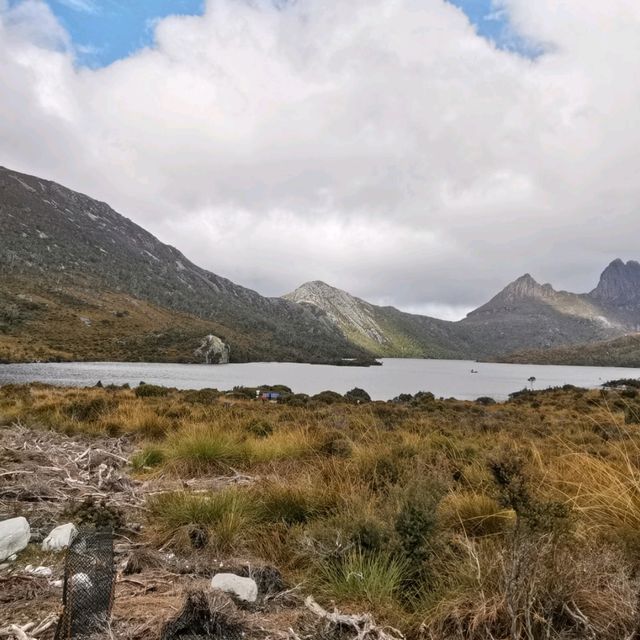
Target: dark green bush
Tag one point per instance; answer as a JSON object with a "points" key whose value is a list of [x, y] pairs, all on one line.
{"points": [[357, 396], [327, 397], [151, 391]]}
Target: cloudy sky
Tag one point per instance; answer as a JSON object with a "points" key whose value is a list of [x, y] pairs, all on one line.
{"points": [[420, 153]]}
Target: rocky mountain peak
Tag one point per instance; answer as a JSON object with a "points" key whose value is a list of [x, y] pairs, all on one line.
{"points": [[619, 284], [525, 287]]}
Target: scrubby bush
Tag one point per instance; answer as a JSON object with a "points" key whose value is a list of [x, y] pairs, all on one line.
{"points": [[327, 397], [259, 428], [151, 391], [357, 396]]}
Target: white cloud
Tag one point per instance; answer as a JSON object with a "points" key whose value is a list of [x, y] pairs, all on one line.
{"points": [[381, 145]]}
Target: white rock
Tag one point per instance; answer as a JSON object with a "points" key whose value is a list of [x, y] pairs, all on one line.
{"points": [[14, 536], [81, 580], [45, 572], [60, 538], [56, 583], [243, 588]]}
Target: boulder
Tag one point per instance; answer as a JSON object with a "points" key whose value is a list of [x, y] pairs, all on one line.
{"points": [[14, 536], [213, 350], [244, 589], [60, 538]]}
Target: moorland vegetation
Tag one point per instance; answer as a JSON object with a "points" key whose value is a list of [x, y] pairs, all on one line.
{"points": [[446, 519]]}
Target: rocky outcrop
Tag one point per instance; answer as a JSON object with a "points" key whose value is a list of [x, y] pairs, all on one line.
{"points": [[346, 311], [213, 350], [619, 284]]}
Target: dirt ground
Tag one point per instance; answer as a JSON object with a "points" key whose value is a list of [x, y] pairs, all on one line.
{"points": [[52, 479]]}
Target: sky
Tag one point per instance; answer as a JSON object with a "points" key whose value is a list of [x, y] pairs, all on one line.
{"points": [[419, 153]]}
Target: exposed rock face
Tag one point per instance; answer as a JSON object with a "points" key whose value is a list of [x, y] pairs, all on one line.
{"points": [[213, 350], [342, 308], [619, 285]]}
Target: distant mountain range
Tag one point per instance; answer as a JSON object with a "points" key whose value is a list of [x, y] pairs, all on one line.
{"points": [[80, 281], [524, 316]]}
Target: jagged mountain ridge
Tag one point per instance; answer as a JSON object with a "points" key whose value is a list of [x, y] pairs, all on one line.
{"points": [[56, 241], [525, 315]]}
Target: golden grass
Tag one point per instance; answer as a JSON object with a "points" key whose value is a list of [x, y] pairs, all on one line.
{"points": [[398, 508]]}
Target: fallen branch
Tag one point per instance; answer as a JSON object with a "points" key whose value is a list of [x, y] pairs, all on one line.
{"points": [[364, 625]]}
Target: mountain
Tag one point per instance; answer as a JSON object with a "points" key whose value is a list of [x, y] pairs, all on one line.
{"points": [[525, 316], [80, 281], [383, 331]]}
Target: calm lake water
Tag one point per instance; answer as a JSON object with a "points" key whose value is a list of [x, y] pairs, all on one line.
{"points": [[446, 378]]}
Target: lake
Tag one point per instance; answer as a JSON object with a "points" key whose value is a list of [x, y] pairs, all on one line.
{"points": [[446, 378]]}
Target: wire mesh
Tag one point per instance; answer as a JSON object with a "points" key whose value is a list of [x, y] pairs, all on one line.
{"points": [[89, 581]]}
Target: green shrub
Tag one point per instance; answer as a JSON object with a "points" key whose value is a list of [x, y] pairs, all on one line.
{"points": [[357, 396], [151, 391], [202, 396], [327, 397]]}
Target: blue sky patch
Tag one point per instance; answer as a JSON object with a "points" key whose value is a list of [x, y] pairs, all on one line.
{"points": [[107, 30]]}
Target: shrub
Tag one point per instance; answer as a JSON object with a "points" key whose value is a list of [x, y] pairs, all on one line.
{"points": [[327, 397], [415, 525], [202, 396], [334, 443], [357, 396], [89, 410], [151, 391], [485, 401]]}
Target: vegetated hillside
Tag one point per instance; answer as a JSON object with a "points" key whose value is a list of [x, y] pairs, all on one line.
{"points": [[619, 352], [524, 314], [384, 331], [64, 256]]}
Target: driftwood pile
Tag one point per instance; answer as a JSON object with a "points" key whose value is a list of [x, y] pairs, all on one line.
{"points": [[44, 471]]}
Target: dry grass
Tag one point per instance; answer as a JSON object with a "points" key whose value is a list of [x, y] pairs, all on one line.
{"points": [[514, 520]]}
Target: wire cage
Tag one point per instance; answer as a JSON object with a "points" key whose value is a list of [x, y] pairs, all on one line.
{"points": [[89, 582]]}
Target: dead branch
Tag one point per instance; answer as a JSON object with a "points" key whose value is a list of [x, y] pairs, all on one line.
{"points": [[363, 625]]}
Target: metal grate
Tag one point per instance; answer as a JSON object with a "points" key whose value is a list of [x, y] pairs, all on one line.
{"points": [[89, 582]]}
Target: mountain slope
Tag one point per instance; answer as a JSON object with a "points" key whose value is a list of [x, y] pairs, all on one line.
{"points": [[384, 331], [525, 315], [56, 243], [619, 352]]}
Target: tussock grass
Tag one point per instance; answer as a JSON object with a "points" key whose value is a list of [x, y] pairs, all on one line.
{"points": [[363, 579], [451, 520], [474, 514]]}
